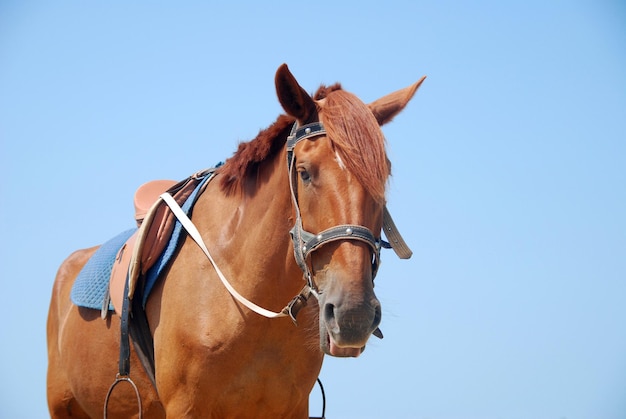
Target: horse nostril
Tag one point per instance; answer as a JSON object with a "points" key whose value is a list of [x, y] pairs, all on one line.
{"points": [[329, 316]]}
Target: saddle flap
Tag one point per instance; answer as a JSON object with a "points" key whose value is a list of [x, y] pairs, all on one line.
{"points": [[161, 221]]}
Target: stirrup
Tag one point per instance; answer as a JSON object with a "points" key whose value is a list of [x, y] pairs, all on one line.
{"points": [[118, 379]]}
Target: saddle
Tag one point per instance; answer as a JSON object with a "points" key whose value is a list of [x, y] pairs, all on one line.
{"points": [[156, 225]]}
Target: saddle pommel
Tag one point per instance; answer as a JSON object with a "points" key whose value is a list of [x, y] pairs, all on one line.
{"points": [[147, 194]]}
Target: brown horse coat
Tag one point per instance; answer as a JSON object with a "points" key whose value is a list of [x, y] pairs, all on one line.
{"points": [[215, 358]]}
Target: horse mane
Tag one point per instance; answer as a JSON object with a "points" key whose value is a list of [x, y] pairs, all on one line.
{"points": [[249, 155], [354, 131]]}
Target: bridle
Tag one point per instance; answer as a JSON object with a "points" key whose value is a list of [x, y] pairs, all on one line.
{"points": [[304, 242]]}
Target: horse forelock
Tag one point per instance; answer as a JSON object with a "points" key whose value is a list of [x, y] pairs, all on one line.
{"points": [[356, 136]]}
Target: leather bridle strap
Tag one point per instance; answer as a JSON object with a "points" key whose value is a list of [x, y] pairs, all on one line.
{"points": [[354, 232], [310, 242], [396, 242], [305, 132]]}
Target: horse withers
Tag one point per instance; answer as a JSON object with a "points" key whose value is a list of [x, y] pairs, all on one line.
{"points": [[305, 198]]}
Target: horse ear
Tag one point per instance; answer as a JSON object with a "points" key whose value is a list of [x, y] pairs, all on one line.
{"points": [[293, 98], [385, 108]]}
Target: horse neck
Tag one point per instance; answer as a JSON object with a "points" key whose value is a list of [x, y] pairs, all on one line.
{"points": [[269, 209], [254, 232]]}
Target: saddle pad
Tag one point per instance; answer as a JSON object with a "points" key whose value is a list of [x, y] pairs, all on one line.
{"points": [[92, 281]]}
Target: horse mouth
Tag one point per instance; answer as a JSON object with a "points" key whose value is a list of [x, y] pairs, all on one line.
{"points": [[331, 348]]}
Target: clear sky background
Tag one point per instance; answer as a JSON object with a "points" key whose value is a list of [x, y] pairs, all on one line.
{"points": [[509, 179]]}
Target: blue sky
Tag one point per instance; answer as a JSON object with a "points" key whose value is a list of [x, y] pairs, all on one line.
{"points": [[509, 179]]}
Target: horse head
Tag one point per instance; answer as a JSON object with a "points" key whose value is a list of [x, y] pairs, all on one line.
{"points": [[338, 172]]}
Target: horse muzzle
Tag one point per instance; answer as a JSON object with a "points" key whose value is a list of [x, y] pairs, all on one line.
{"points": [[346, 326]]}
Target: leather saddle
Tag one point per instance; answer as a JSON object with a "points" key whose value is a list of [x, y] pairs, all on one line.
{"points": [[156, 224]]}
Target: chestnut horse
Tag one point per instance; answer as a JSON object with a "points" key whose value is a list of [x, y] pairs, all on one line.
{"points": [[214, 356]]}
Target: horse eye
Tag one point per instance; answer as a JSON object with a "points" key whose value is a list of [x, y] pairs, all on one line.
{"points": [[305, 176]]}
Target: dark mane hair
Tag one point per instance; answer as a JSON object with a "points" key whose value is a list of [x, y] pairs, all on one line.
{"points": [[351, 127], [251, 154]]}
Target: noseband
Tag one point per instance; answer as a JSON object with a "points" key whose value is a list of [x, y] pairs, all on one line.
{"points": [[305, 242]]}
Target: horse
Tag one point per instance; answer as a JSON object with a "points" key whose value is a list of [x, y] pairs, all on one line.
{"points": [[321, 167]]}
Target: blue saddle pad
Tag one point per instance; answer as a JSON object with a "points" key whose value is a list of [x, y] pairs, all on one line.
{"points": [[92, 282]]}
